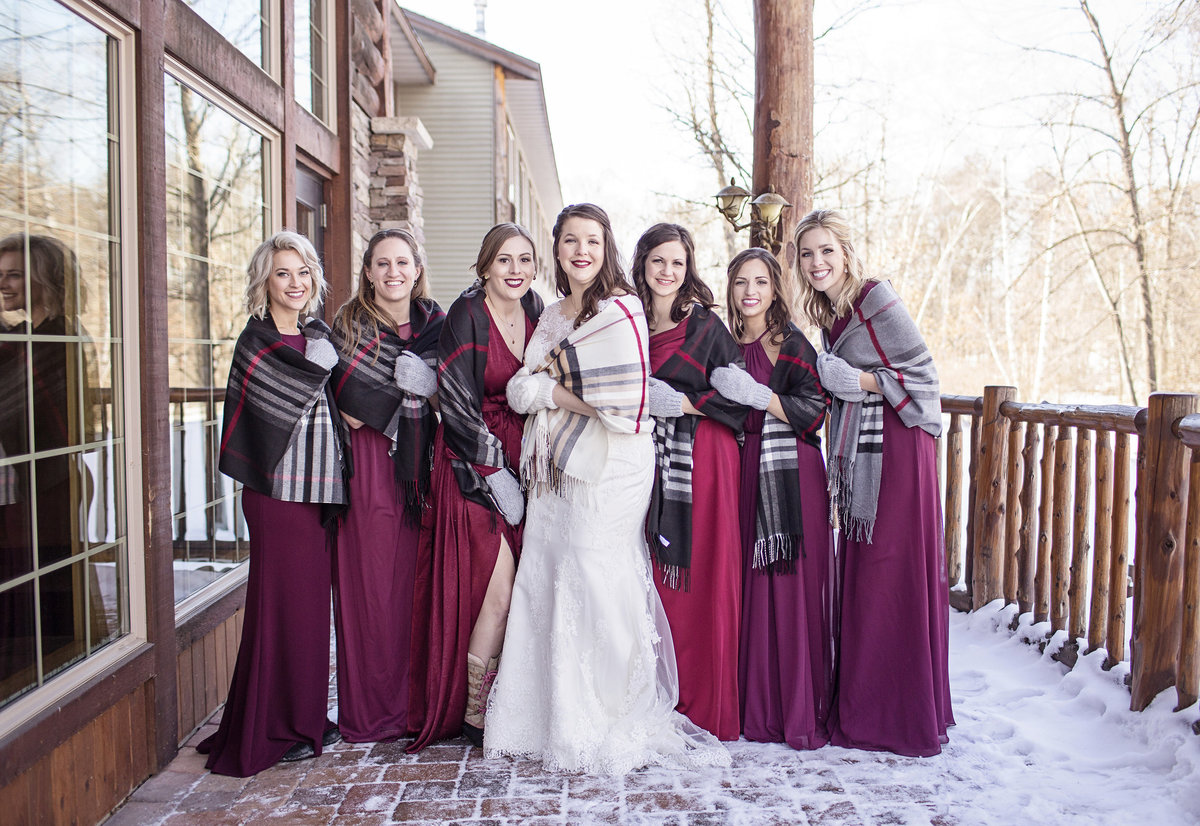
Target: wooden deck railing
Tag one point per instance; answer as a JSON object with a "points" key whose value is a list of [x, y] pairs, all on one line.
{"points": [[1048, 494]]}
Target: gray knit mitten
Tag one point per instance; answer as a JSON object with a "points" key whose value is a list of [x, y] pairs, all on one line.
{"points": [[320, 352], [414, 376], [840, 378], [665, 401], [507, 494], [737, 385]]}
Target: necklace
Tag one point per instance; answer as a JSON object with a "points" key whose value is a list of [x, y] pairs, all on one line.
{"points": [[507, 327]]}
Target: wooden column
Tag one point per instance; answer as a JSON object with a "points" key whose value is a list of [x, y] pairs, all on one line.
{"points": [[1189, 650], [1045, 544], [1118, 578], [1082, 546], [953, 515], [1102, 550], [1026, 558], [988, 573], [783, 111], [1012, 514], [1060, 561], [1158, 591]]}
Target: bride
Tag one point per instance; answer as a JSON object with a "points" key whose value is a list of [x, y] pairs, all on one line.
{"points": [[587, 681]]}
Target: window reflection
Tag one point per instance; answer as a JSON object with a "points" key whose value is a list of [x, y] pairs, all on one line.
{"points": [[245, 25], [62, 533], [217, 215]]}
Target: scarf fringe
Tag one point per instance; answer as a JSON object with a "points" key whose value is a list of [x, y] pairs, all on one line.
{"points": [[858, 528], [776, 553], [675, 577], [539, 473]]}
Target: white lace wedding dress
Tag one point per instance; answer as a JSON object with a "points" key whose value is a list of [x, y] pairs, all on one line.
{"points": [[587, 678]]}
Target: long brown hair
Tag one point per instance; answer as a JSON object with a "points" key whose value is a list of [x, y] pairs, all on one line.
{"points": [[361, 317], [262, 261], [490, 246], [609, 281], [816, 305], [692, 291], [778, 314]]}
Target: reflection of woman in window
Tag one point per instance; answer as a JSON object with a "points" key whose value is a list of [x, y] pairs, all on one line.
{"points": [[39, 301], [282, 440], [387, 337]]}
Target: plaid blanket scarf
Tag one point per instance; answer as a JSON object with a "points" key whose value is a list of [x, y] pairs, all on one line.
{"points": [[281, 436], [605, 362], [365, 388], [881, 339], [462, 359], [778, 525], [707, 344]]}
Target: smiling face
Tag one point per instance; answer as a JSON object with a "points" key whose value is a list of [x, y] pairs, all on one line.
{"points": [[511, 272], [289, 286], [580, 251], [393, 272], [666, 267], [822, 261], [753, 291], [12, 281]]}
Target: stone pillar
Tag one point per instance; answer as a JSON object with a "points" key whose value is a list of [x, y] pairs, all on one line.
{"points": [[386, 178]]}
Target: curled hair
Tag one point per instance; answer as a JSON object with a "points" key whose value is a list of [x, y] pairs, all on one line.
{"points": [[692, 291], [609, 281], [51, 267], [262, 262], [490, 246], [361, 316], [817, 307], [778, 314]]}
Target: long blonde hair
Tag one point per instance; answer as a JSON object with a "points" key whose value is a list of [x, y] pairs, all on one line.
{"points": [[263, 261], [816, 306]]}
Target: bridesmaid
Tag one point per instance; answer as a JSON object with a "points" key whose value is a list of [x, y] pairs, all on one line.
{"points": [[281, 439], [693, 537], [387, 338], [786, 664], [893, 685], [467, 558]]}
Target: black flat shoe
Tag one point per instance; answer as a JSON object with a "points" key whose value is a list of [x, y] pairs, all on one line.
{"points": [[298, 751], [332, 735], [474, 734]]}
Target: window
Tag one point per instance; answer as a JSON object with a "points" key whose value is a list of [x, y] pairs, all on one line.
{"points": [[217, 213], [247, 25], [312, 26], [63, 538]]}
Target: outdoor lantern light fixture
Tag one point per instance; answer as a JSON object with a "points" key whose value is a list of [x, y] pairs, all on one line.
{"points": [[765, 211]]}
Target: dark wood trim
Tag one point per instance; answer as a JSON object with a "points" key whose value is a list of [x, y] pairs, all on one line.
{"points": [[206, 620], [154, 381], [193, 41], [315, 139], [338, 233], [129, 11], [42, 733], [287, 72]]}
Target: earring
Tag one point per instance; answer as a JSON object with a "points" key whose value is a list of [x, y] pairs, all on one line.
{"points": [[371, 285]]}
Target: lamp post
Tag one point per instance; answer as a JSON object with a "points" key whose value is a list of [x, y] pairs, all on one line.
{"points": [[765, 212]]}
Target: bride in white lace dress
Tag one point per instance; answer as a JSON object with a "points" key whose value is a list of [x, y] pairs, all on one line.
{"points": [[587, 679]]}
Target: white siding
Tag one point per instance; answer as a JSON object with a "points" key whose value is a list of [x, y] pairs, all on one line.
{"points": [[457, 175]]}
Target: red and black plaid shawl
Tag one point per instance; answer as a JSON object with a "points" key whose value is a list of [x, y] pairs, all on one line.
{"points": [[779, 529], [707, 344], [462, 359], [364, 387], [281, 435]]}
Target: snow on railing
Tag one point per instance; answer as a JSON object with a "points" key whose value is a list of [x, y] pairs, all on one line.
{"points": [[1048, 503]]}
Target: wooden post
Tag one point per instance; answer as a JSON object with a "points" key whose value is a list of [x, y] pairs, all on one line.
{"points": [[953, 515], [1061, 528], [1041, 583], [1118, 577], [972, 498], [1102, 550], [1012, 514], [1158, 589], [1082, 546], [783, 113], [1026, 559], [988, 574], [1189, 643]]}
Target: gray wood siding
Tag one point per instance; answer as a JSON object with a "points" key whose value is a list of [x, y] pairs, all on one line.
{"points": [[457, 175]]}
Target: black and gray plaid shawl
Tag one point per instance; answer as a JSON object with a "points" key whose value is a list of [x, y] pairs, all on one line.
{"points": [[779, 528], [365, 388], [707, 344], [281, 436], [881, 339], [462, 360]]}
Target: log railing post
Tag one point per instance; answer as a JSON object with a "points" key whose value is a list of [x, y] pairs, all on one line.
{"points": [[1012, 514], [972, 498], [1189, 644], [1082, 546], [1158, 589], [953, 516], [988, 574], [1118, 579], [1026, 559], [1060, 562], [1045, 541], [1102, 547]]}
